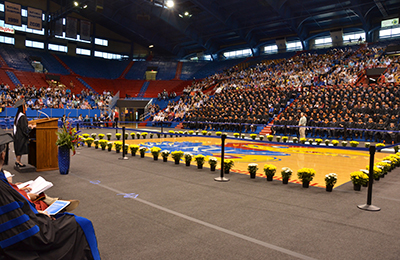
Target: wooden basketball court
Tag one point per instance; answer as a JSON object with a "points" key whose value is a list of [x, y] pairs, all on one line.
{"points": [[323, 160]]}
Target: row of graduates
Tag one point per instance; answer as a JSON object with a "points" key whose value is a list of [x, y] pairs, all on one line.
{"points": [[347, 127]]}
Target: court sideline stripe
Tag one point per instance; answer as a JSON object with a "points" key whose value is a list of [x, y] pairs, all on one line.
{"points": [[224, 230]]}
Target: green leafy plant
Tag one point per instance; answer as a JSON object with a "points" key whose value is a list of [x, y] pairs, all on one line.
{"points": [[269, 170], [68, 136], [199, 159], [286, 173], [330, 179]]}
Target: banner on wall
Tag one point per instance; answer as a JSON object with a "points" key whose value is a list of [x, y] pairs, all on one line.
{"points": [[35, 18], [85, 30], [71, 28], [58, 27], [12, 13]]}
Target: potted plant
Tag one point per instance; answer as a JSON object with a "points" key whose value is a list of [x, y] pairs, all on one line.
{"points": [[103, 144], [269, 171], [132, 135], [243, 136], [270, 137], [212, 161], [101, 136], [303, 140], [171, 132], [354, 143], [118, 146], [306, 175], [118, 136], [151, 135], [286, 173], [191, 132], [197, 132], [396, 148], [278, 138], [177, 156], [344, 143], [318, 141], [209, 133], [335, 142], [85, 135], [236, 135], [295, 140], [67, 139], [126, 148], [93, 135], [228, 164], [253, 136], [109, 136], [164, 155], [134, 148], [138, 135], [327, 142], [379, 145], [89, 141], [126, 136], [252, 168], [109, 146], [330, 181], [142, 151], [204, 132], [218, 133], [96, 144], [199, 160], [188, 158], [357, 178], [180, 133], [261, 137], [285, 139], [310, 141], [158, 135], [367, 145], [155, 151], [144, 134]]}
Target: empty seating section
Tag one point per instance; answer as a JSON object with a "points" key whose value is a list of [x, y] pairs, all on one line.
{"points": [[11, 76], [216, 67], [95, 67], [21, 59], [31, 78], [130, 87], [5, 79], [190, 68], [166, 70]]}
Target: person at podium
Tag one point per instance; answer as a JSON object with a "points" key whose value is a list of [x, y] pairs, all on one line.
{"points": [[21, 132]]}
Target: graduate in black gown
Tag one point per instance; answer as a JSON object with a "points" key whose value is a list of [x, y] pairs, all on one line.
{"points": [[21, 132], [26, 234]]}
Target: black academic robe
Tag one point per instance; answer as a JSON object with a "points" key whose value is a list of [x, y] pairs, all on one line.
{"points": [[27, 234], [21, 136]]}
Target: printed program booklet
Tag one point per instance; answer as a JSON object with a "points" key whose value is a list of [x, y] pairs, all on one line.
{"points": [[38, 186]]}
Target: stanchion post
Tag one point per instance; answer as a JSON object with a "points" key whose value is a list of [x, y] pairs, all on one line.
{"points": [[368, 206], [123, 144], [222, 178]]}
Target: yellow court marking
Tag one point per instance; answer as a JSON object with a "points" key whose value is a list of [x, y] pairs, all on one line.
{"points": [[324, 160]]}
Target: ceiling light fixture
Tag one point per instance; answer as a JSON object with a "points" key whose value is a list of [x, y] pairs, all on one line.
{"points": [[76, 3], [170, 3], [186, 13], [85, 6], [151, 46]]}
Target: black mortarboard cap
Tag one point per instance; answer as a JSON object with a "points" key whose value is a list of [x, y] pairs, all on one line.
{"points": [[5, 138], [19, 103]]}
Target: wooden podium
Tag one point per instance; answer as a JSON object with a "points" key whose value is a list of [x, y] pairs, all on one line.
{"points": [[43, 151]]}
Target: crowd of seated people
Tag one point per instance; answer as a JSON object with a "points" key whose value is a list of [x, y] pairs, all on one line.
{"points": [[325, 86], [165, 96], [53, 97]]}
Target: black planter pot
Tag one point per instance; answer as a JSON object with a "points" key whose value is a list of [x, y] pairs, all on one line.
{"points": [[329, 188], [212, 168], [306, 184], [377, 179], [108, 138], [155, 158], [165, 135], [285, 181], [383, 176], [96, 147], [103, 148], [365, 185], [226, 171], [142, 155], [176, 161], [89, 145], [109, 149], [133, 137], [199, 166], [117, 151], [133, 154], [188, 163], [165, 159], [357, 187], [270, 178], [252, 175]]}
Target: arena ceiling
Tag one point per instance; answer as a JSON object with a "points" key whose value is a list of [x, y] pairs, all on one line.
{"points": [[210, 26]]}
